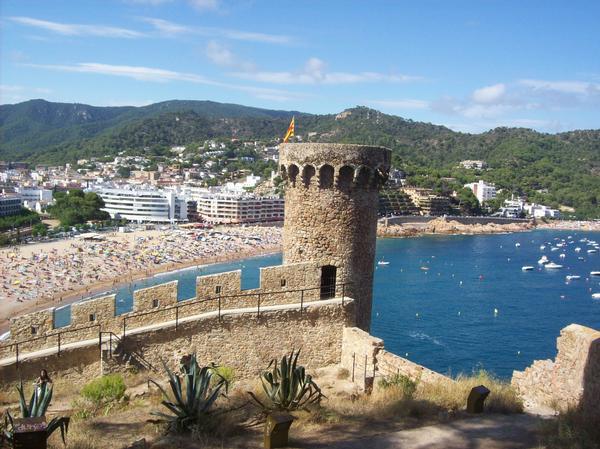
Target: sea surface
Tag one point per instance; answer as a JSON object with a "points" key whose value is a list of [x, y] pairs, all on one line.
{"points": [[456, 303]]}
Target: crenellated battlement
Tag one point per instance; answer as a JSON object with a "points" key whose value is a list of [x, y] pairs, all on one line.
{"points": [[285, 284]]}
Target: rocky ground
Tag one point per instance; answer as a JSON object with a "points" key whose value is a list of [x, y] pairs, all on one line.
{"points": [[443, 225]]}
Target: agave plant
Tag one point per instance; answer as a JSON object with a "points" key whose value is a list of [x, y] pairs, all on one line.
{"points": [[193, 394], [287, 386], [38, 404]]}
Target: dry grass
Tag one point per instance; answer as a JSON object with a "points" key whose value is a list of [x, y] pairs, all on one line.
{"points": [[453, 396], [570, 430]]}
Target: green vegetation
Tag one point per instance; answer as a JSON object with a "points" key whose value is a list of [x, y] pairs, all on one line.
{"points": [[192, 397], [37, 407], [404, 383], [557, 170], [571, 429], [76, 207], [24, 218], [105, 389], [287, 386]]}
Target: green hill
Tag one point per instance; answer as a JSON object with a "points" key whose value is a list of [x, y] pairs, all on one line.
{"points": [[559, 169]]}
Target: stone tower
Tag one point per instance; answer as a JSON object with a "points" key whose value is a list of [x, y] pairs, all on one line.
{"points": [[331, 200]]}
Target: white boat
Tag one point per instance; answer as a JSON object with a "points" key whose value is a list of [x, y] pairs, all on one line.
{"points": [[527, 268], [592, 251], [594, 273], [554, 248], [596, 295], [542, 247], [383, 262], [543, 260], [517, 244], [562, 256], [553, 266], [577, 249], [572, 277]]}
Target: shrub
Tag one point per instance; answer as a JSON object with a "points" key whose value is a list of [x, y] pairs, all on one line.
{"points": [[105, 389], [401, 382], [570, 429], [224, 372]]}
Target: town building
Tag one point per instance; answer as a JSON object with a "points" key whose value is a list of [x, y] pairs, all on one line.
{"points": [[482, 190], [428, 202], [9, 204], [473, 165], [143, 205], [239, 208]]}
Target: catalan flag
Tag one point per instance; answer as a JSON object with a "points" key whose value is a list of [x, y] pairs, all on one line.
{"points": [[290, 131]]}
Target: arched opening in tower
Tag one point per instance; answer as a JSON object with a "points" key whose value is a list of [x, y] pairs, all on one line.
{"points": [[345, 176], [308, 172], [293, 173], [328, 280], [326, 176]]}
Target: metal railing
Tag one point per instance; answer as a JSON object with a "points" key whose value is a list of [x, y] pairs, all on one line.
{"points": [[176, 307], [219, 300], [58, 336], [139, 357]]}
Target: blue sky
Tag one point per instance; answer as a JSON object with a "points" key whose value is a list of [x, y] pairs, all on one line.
{"points": [[469, 65]]}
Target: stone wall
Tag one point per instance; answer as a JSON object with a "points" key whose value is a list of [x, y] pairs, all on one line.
{"points": [[32, 325], [102, 309], [367, 361], [162, 295], [572, 379], [331, 197], [241, 341]]}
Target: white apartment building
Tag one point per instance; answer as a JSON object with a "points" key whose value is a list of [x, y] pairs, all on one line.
{"points": [[541, 211], [139, 205], [236, 208], [34, 198], [482, 190]]}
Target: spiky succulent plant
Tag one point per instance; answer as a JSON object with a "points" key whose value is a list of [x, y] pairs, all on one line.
{"points": [[37, 407], [192, 394], [287, 386]]}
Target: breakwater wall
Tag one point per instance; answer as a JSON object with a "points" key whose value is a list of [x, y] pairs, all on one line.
{"points": [[462, 220]]}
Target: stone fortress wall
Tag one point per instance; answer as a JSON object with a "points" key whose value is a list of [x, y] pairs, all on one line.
{"points": [[285, 284], [331, 197], [572, 379]]}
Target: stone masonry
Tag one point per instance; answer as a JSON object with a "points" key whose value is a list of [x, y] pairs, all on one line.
{"points": [[572, 379], [331, 197]]}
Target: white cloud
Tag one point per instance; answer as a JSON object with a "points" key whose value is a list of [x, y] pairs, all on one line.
{"points": [[69, 29], [224, 57], [169, 28], [405, 103], [315, 72], [10, 93], [489, 94], [152, 74], [203, 5], [567, 87]]}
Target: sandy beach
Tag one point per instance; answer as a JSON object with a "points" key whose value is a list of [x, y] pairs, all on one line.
{"points": [[42, 275], [571, 225]]}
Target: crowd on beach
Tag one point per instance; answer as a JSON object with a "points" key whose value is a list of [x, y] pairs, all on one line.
{"points": [[46, 274]]}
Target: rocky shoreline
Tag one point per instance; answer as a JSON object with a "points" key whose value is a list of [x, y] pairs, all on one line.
{"points": [[445, 226]]}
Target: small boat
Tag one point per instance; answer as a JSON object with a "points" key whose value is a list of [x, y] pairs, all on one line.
{"points": [[542, 247], [527, 268], [577, 249], [594, 273], [596, 295], [554, 248], [553, 266], [562, 256], [592, 251], [383, 262], [572, 277], [580, 258], [424, 268], [543, 260], [517, 244]]}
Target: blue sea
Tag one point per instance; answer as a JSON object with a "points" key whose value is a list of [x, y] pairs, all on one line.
{"points": [[472, 308]]}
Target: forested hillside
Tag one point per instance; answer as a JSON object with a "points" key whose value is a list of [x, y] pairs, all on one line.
{"points": [[559, 169]]}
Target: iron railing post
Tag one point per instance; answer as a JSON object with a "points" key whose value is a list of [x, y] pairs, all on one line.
{"points": [[176, 317], [17, 355], [124, 321], [219, 307], [59, 344], [258, 311], [110, 345]]}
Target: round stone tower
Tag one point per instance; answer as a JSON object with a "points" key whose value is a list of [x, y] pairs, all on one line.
{"points": [[331, 200]]}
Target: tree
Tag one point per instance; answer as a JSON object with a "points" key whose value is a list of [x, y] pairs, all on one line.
{"points": [[124, 172], [77, 207], [468, 202]]}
